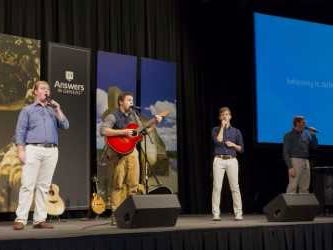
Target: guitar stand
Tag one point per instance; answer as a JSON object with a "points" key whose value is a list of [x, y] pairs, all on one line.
{"points": [[53, 218]]}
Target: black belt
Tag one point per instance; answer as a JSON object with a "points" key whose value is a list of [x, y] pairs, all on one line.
{"points": [[45, 145], [225, 157]]}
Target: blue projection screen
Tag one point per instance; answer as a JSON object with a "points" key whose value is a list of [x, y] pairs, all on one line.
{"points": [[294, 76]]}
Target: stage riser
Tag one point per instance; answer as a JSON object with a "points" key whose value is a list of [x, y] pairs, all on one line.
{"points": [[285, 237]]}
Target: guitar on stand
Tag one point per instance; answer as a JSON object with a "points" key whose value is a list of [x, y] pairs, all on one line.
{"points": [[55, 205], [97, 203]]}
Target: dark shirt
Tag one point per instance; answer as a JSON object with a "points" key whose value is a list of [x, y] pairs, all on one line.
{"points": [[297, 145], [229, 134], [118, 120], [38, 124]]}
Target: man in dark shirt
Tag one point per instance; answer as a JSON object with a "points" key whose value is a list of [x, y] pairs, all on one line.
{"points": [[227, 142], [125, 168], [296, 146]]}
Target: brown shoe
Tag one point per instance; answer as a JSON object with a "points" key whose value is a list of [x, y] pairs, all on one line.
{"points": [[18, 225], [43, 225]]}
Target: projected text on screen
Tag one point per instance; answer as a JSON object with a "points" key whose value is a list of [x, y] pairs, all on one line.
{"points": [[294, 76]]}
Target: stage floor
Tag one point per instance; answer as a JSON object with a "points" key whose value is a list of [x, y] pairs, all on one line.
{"points": [[90, 227]]}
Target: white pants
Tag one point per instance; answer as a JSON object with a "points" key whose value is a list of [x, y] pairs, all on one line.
{"points": [[220, 166], [37, 173]]}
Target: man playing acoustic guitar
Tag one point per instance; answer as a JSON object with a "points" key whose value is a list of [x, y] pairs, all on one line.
{"points": [[125, 167]]}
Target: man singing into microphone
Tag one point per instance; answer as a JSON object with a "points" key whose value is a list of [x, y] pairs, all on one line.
{"points": [[296, 146], [37, 143], [228, 141], [124, 168]]}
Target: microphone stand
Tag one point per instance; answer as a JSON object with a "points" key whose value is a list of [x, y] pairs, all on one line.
{"points": [[146, 178], [147, 165]]}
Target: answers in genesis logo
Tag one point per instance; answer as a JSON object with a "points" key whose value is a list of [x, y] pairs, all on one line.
{"points": [[69, 75], [69, 87]]}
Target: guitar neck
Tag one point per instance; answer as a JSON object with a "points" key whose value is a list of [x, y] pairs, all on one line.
{"points": [[95, 180], [149, 124], [153, 120]]}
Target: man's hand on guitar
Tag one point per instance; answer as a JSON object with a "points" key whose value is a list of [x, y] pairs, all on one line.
{"points": [[158, 118], [128, 132]]}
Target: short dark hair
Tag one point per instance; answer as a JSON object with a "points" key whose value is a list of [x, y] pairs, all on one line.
{"points": [[298, 119], [224, 109], [122, 96]]}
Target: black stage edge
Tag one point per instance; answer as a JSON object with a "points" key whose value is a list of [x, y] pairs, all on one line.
{"points": [[191, 232]]}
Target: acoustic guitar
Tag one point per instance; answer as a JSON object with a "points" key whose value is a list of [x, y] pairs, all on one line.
{"points": [[125, 144], [55, 205], [97, 202]]}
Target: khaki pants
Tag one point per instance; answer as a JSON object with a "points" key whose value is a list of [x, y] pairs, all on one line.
{"points": [[220, 166], [302, 178], [125, 177]]}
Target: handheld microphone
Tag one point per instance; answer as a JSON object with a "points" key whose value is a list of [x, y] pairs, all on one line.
{"points": [[135, 107], [48, 98], [49, 101], [312, 129]]}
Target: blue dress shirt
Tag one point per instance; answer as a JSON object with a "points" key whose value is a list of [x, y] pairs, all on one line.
{"points": [[38, 124], [229, 134]]}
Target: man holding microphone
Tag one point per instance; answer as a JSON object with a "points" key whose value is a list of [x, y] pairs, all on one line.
{"points": [[296, 150], [228, 141], [37, 143]]}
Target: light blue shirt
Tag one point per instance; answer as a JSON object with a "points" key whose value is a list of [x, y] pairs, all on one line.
{"points": [[38, 124]]}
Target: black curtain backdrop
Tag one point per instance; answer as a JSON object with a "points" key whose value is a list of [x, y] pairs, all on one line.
{"points": [[212, 43]]}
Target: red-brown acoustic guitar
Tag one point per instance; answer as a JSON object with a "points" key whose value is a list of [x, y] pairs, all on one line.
{"points": [[125, 144]]}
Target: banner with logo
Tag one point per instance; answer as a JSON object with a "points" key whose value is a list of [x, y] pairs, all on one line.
{"points": [[115, 73], [69, 78], [19, 70], [158, 95]]}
